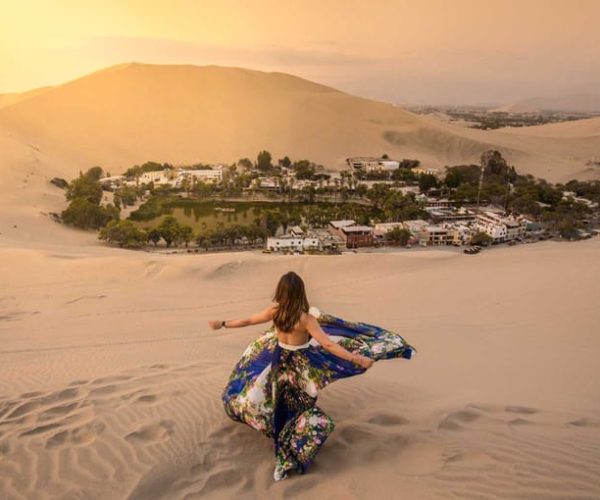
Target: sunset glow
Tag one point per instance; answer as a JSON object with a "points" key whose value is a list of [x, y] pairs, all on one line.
{"points": [[403, 51]]}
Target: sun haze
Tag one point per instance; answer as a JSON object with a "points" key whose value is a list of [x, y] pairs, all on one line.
{"points": [[432, 51]]}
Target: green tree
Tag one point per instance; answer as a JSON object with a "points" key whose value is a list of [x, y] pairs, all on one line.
{"points": [[94, 173], [304, 169], [84, 214], [186, 235], [263, 161], [85, 187], [462, 174], [170, 230], [126, 195], [285, 162], [154, 236], [399, 236], [123, 233]]}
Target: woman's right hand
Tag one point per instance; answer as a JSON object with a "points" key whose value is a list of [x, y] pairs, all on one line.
{"points": [[363, 361]]}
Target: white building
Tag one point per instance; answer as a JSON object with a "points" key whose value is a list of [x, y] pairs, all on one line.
{"points": [[113, 181], [174, 177], [434, 235], [289, 242], [415, 226], [425, 170], [369, 184], [203, 175], [159, 177], [459, 234], [266, 182], [371, 164], [500, 228], [571, 194]]}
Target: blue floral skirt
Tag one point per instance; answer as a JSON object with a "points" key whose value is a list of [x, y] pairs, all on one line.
{"points": [[273, 387]]}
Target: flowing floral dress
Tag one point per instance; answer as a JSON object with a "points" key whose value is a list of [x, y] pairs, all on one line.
{"points": [[273, 388]]}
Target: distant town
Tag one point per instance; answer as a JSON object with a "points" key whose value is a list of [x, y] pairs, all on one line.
{"points": [[300, 207], [489, 118]]}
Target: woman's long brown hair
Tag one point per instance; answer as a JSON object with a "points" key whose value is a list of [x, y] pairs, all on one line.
{"points": [[291, 297]]}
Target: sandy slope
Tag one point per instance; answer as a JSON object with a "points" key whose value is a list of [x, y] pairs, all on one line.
{"points": [[110, 381], [15, 97], [589, 127], [132, 113]]}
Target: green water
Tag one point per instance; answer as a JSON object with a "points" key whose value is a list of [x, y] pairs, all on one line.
{"points": [[202, 216]]}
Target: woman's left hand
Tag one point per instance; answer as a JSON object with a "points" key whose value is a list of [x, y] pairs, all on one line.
{"points": [[215, 324]]}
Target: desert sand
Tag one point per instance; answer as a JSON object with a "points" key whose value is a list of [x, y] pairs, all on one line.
{"points": [[110, 379]]}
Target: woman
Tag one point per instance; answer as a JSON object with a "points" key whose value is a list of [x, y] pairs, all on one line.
{"points": [[274, 386]]}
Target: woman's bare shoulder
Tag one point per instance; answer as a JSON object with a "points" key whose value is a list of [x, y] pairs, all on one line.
{"points": [[306, 318]]}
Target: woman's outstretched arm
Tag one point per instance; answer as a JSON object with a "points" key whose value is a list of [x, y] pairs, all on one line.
{"points": [[313, 327], [256, 319]]}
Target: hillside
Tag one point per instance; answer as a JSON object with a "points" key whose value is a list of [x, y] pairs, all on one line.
{"points": [[16, 97], [132, 113]]}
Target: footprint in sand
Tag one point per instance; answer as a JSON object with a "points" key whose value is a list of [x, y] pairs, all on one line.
{"points": [[455, 421], [352, 434], [584, 422], [522, 410], [520, 422], [151, 433], [147, 399], [387, 419]]}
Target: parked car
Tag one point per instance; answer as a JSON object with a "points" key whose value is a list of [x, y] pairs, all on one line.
{"points": [[472, 250]]}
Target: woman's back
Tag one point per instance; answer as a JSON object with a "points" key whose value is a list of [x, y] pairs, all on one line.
{"points": [[297, 336]]}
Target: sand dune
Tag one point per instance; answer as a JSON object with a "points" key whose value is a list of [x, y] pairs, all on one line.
{"points": [[16, 97], [572, 129], [131, 113], [110, 380]]}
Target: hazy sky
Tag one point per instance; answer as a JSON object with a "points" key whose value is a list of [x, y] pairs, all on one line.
{"points": [[406, 51]]}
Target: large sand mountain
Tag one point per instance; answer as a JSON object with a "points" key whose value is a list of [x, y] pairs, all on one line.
{"points": [[136, 112]]}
